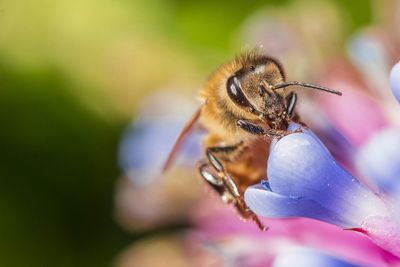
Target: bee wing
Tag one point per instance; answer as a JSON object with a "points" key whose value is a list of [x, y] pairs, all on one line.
{"points": [[181, 138]]}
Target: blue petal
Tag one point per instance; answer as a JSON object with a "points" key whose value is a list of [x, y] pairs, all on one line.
{"points": [[304, 176], [395, 81], [146, 143], [369, 56], [379, 160], [272, 205], [303, 257]]}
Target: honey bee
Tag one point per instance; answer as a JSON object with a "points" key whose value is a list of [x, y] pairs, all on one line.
{"points": [[245, 107]]}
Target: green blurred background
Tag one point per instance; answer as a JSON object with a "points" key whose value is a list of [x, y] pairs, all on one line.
{"points": [[71, 75]]}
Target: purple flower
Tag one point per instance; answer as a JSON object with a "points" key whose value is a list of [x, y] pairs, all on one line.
{"points": [[395, 81], [305, 181], [370, 56], [379, 161], [145, 144]]}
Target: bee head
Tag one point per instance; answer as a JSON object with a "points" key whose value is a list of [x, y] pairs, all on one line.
{"points": [[250, 87], [258, 87]]}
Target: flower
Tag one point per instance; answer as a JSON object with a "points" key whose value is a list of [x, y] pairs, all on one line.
{"points": [[395, 81], [145, 144], [146, 198], [379, 160], [305, 180]]}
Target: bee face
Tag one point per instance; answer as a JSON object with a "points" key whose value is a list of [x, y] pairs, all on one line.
{"points": [[249, 87]]}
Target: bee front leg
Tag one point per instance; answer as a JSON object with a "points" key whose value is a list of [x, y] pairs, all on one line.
{"points": [[253, 128]]}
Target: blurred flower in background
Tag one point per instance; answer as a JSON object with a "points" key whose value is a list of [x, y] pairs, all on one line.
{"points": [[146, 197]]}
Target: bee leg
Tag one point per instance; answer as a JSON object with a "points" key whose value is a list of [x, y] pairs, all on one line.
{"points": [[227, 188], [214, 161], [225, 153], [250, 127], [291, 100], [240, 205], [253, 128], [213, 180], [246, 213], [216, 183]]}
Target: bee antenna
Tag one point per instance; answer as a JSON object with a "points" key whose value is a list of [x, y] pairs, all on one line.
{"points": [[307, 85]]}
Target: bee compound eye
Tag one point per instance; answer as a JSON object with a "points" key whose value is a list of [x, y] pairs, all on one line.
{"points": [[235, 92]]}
